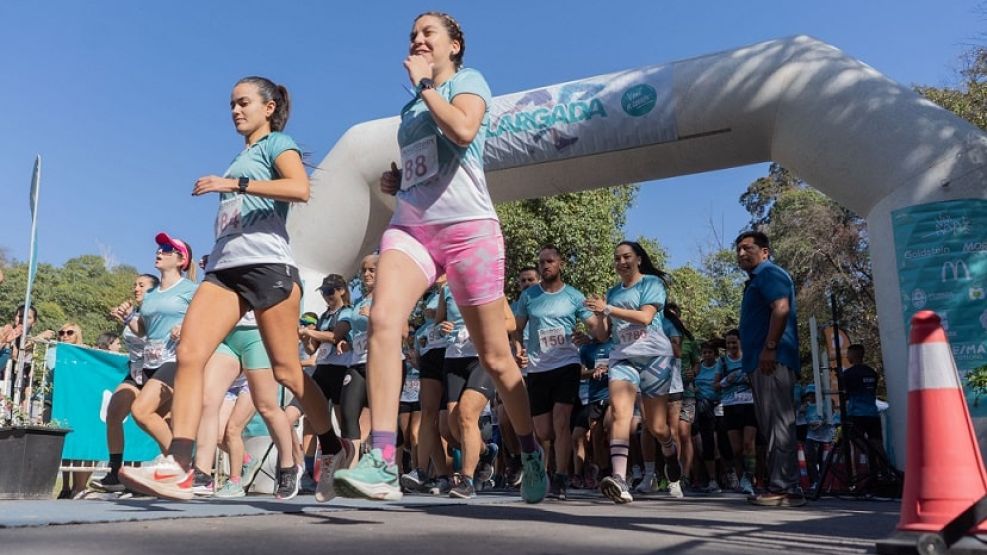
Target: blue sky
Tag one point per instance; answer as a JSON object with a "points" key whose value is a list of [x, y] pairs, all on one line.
{"points": [[127, 102]]}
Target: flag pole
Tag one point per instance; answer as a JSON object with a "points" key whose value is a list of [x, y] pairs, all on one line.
{"points": [[31, 270]]}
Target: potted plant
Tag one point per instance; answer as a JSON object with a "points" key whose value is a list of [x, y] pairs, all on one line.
{"points": [[30, 453]]}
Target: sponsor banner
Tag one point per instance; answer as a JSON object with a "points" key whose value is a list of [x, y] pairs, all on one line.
{"points": [[622, 110], [84, 381], [942, 266]]}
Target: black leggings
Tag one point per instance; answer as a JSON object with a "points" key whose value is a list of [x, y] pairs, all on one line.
{"points": [[712, 432], [354, 399]]}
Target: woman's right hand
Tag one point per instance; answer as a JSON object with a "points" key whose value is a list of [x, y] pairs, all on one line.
{"points": [[446, 326], [390, 181]]}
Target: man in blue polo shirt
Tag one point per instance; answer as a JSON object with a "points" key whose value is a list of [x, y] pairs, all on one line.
{"points": [[769, 340]]}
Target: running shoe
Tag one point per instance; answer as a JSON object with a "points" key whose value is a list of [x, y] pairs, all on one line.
{"points": [[486, 468], [330, 464], [746, 486], [307, 486], [557, 488], [648, 484], [202, 485], [731, 480], [675, 490], [108, 484], [412, 482], [249, 471], [288, 482], [616, 489], [372, 478], [712, 487], [463, 490], [440, 486], [167, 480], [230, 490], [576, 481], [534, 481]]}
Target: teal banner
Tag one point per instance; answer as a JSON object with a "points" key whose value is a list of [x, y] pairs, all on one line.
{"points": [[84, 380], [942, 266]]}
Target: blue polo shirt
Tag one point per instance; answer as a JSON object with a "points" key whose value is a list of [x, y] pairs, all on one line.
{"points": [[767, 283]]}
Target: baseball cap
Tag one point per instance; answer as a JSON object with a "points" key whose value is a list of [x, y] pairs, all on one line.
{"points": [[177, 244]]}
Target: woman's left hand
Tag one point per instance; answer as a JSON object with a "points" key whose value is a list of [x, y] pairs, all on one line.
{"points": [[418, 68], [214, 184]]}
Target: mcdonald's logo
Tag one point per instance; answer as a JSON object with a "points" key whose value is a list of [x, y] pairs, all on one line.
{"points": [[954, 271]]}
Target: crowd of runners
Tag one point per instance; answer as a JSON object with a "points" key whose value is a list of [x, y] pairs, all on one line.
{"points": [[430, 382]]}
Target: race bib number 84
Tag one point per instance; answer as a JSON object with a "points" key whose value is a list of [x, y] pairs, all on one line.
{"points": [[419, 162], [228, 219]]}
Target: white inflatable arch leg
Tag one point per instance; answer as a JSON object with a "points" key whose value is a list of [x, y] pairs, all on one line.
{"points": [[871, 144]]}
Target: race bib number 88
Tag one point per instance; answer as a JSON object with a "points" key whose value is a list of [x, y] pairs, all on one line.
{"points": [[419, 162]]}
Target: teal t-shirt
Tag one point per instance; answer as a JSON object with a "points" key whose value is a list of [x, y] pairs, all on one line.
{"points": [[359, 325], [592, 355], [251, 229], [706, 381], [735, 385], [551, 319], [429, 336], [636, 340], [326, 354], [162, 310], [460, 345], [442, 182]]}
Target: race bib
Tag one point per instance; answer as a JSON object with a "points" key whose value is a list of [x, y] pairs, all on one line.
{"points": [[551, 338], [419, 162], [435, 334], [602, 363], [411, 390], [743, 397], [228, 219], [631, 334], [154, 353]]}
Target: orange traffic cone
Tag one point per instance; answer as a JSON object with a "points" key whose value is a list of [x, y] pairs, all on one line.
{"points": [[944, 473], [803, 468]]}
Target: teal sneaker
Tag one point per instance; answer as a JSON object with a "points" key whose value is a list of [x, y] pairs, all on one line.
{"points": [[230, 491], [372, 478], [534, 481]]}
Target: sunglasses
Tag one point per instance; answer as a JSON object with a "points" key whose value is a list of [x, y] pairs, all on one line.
{"points": [[167, 249], [63, 333]]}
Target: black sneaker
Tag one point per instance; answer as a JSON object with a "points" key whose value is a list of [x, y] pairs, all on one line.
{"points": [[486, 468], [463, 490], [615, 488], [288, 482], [109, 484], [557, 489], [202, 484]]}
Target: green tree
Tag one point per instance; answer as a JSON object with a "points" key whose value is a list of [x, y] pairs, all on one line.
{"points": [[584, 226], [969, 99], [81, 291]]}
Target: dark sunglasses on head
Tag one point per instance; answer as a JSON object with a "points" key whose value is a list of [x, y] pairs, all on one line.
{"points": [[69, 333]]}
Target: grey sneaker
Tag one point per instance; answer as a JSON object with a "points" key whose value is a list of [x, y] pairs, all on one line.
{"points": [[616, 489], [288, 482], [108, 484], [308, 485], [486, 468], [412, 482], [464, 490], [202, 485], [330, 464]]}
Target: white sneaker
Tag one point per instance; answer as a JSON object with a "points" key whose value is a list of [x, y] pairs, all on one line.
{"points": [[675, 490], [167, 481], [732, 481], [648, 484], [325, 489]]}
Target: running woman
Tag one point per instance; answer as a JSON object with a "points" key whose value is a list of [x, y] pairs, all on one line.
{"points": [[444, 222], [159, 322], [739, 417], [251, 267], [707, 399], [123, 397], [330, 359], [641, 360], [549, 313]]}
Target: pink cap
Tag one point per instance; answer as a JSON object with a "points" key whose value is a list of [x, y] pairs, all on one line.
{"points": [[179, 245], [926, 328]]}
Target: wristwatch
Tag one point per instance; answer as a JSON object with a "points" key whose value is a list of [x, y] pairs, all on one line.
{"points": [[771, 345], [424, 84], [242, 185]]}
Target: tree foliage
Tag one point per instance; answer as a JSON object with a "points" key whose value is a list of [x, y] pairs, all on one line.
{"points": [[969, 100], [584, 226], [81, 291]]}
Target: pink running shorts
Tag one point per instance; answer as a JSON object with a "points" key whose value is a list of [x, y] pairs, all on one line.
{"points": [[470, 253]]}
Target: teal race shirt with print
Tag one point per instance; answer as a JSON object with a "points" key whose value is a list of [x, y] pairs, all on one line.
{"points": [[441, 181], [162, 310], [551, 319], [637, 340], [251, 229]]}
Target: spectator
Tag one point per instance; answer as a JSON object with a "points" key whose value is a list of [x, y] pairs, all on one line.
{"points": [[860, 381], [73, 483], [108, 341], [769, 341], [70, 333]]}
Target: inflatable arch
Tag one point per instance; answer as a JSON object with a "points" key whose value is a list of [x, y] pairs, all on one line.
{"points": [[871, 144]]}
